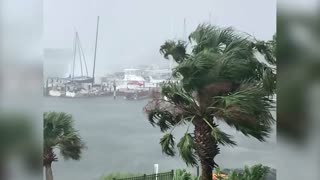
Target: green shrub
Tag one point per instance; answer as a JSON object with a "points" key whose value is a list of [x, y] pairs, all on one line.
{"points": [[182, 174], [256, 172]]}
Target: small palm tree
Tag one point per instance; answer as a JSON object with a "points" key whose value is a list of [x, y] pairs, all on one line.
{"points": [[59, 133], [219, 80]]}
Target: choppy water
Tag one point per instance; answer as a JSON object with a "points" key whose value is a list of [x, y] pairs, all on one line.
{"points": [[120, 139]]}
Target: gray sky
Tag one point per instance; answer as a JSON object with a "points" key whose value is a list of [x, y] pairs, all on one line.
{"points": [[132, 31]]}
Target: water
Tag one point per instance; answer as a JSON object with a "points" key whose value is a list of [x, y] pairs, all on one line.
{"points": [[120, 139]]}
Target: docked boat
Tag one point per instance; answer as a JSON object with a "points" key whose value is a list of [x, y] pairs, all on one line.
{"points": [[140, 84], [76, 85], [56, 93], [73, 94], [136, 94]]}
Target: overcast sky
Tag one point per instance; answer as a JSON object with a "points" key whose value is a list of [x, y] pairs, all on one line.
{"points": [[131, 31]]}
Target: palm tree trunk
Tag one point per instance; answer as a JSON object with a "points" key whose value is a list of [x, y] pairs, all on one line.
{"points": [[206, 147], [49, 157], [49, 175], [206, 171]]}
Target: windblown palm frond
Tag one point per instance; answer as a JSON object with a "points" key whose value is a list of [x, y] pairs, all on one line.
{"points": [[71, 146], [266, 50], [222, 138], [59, 133], [217, 40], [186, 148], [167, 144], [176, 94], [176, 49], [164, 115], [269, 80], [222, 54], [55, 126], [248, 110], [164, 119]]}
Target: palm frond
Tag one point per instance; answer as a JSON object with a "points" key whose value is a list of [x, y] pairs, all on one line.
{"points": [[164, 119], [217, 40], [186, 148], [55, 125], [238, 43], [269, 80], [266, 50], [177, 94], [222, 138], [176, 49], [207, 68], [60, 133], [167, 144], [71, 146], [199, 70], [248, 110]]}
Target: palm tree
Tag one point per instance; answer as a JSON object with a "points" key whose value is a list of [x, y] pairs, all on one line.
{"points": [[219, 80], [59, 133]]}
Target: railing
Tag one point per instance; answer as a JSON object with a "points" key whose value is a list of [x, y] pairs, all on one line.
{"points": [[159, 176]]}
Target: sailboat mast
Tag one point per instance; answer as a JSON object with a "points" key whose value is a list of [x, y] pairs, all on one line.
{"points": [[83, 56], [74, 55], [95, 51], [80, 55], [184, 29]]}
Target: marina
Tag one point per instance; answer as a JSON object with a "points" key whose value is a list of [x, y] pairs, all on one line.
{"points": [[130, 84]]}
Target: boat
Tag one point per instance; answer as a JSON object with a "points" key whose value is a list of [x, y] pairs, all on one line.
{"points": [[74, 94], [136, 94], [81, 85], [139, 84], [56, 93]]}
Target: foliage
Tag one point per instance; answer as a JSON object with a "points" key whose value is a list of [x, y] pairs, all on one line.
{"points": [[119, 176], [176, 49], [256, 172], [182, 174], [221, 79], [222, 138], [167, 144], [186, 148], [59, 133]]}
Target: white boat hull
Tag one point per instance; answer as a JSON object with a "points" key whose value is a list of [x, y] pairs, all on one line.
{"points": [[75, 94], [70, 94], [55, 93]]}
